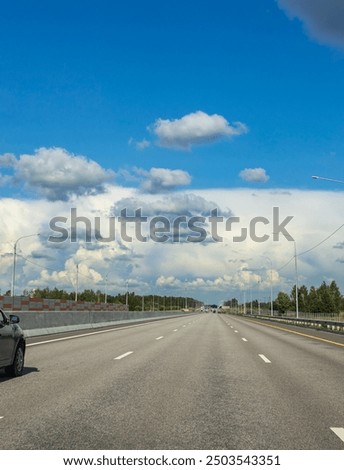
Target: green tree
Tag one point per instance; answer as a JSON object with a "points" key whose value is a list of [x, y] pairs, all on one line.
{"points": [[313, 301], [303, 299], [335, 296], [283, 302], [326, 303]]}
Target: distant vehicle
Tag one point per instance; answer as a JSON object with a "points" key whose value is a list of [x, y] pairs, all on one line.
{"points": [[12, 345]]}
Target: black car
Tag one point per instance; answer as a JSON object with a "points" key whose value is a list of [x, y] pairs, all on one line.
{"points": [[12, 345]]}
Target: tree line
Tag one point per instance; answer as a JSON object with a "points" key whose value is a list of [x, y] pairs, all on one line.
{"points": [[326, 298], [135, 302], [323, 299]]}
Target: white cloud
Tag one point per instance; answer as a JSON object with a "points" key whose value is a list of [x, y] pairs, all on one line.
{"points": [[242, 280], [57, 174], [193, 129], [254, 175], [7, 160], [140, 144], [208, 271], [323, 19], [74, 275], [143, 144], [158, 180], [170, 205], [169, 282]]}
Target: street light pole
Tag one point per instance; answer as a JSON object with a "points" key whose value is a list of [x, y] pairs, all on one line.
{"points": [[77, 282], [251, 309], [186, 296], [271, 301], [15, 259], [126, 295], [296, 283], [106, 284]]}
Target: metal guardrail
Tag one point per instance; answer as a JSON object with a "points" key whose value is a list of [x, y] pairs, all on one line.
{"points": [[334, 326]]}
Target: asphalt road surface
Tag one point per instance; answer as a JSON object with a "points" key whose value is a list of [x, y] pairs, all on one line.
{"points": [[205, 381]]}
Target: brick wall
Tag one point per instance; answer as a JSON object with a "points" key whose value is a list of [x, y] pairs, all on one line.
{"points": [[21, 303]]}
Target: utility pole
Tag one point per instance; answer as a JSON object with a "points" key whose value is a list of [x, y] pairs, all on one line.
{"points": [[77, 282]]}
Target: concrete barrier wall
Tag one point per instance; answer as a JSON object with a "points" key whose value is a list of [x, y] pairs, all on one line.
{"points": [[42, 323]]}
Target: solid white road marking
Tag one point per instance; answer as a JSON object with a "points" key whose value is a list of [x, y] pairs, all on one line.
{"points": [[339, 432], [123, 355], [82, 335], [244, 339], [265, 359], [159, 337]]}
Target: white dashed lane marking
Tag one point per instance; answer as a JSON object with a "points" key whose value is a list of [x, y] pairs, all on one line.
{"points": [[123, 355], [159, 337], [339, 432], [244, 339], [265, 359]]}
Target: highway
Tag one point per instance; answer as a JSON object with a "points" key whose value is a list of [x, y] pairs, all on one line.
{"points": [[202, 381]]}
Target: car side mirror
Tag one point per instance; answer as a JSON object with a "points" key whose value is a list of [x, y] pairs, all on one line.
{"points": [[14, 319]]}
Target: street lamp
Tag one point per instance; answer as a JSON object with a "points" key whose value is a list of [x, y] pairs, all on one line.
{"points": [[271, 301], [15, 259], [297, 277], [126, 295], [106, 284], [327, 179], [186, 295], [296, 283], [77, 282]]}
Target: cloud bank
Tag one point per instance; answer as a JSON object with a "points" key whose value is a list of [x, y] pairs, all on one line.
{"points": [[323, 19]]}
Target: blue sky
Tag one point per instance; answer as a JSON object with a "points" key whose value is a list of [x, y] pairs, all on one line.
{"points": [[89, 76], [163, 97]]}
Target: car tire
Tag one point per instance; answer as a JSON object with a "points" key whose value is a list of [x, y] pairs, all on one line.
{"points": [[17, 367]]}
